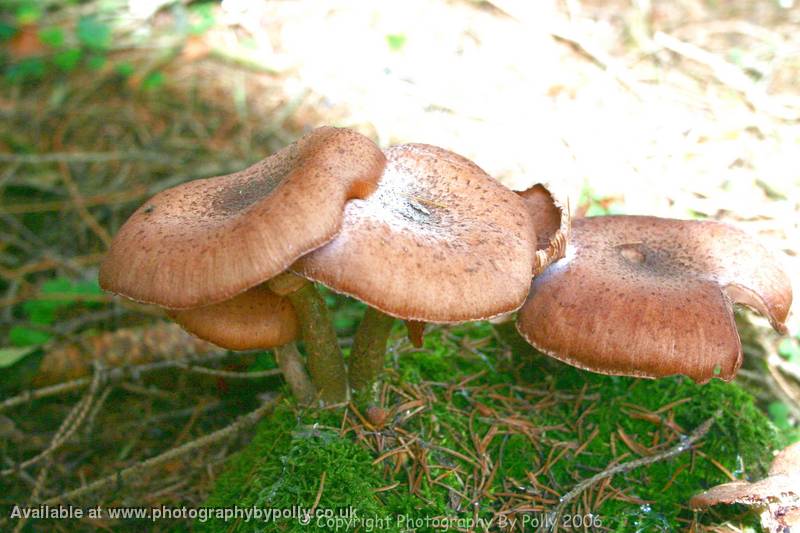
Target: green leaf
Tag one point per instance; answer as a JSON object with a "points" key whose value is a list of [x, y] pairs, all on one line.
{"points": [[31, 68], [779, 413], [790, 350], [28, 13], [154, 80], [93, 34], [263, 361], [43, 311], [24, 336], [9, 356], [96, 62], [125, 69], [52, 36], [736, 56], [55, 286], [396, 41], [7, 31], [87, 288], [595, 209], [201, 18], [19, 366], [67, 60]]}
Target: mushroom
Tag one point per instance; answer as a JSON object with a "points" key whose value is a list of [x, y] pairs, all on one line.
{"points": [[651, 297], [438, 241], [548, 203], [551, 219], [209, 240], [550, 189], [255, 319], [416, 332], [778, 494]]}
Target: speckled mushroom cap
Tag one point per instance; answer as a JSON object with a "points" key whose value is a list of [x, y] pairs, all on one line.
{"points": [[254, 319], [438, 241], [780, 491], [651, 297], [207, 240], [551, 218]]}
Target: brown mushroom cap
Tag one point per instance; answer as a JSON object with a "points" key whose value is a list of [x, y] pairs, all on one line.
{"points": [[551, 218], [651, 297], [438, 241], [207, 240], [254, 319], [779, 492]]}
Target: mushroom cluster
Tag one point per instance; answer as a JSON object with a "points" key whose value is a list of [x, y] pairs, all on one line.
{"points": [[421, 234]]}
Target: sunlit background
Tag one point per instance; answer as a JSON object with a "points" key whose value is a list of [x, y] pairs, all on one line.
{"points": [[682, 109], [685, 109]]}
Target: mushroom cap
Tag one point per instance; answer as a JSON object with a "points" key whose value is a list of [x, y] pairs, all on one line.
{"points": [[439, 241], [551, 218], [651, 297], [254, 319], [207, 240], [782, 486], [787, 462]]}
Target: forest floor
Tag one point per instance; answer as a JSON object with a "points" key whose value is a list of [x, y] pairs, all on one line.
{"points": [[684, 109]]}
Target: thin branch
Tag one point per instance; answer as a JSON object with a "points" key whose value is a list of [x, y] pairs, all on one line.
{"points": [[131, 472], [52, 390], [79, 202], [41, 478], [112, 375], [68, 427], [85, 157], [685, 444], [230, 374]]}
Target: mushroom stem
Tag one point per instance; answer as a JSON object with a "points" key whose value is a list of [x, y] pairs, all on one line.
{"points": [[416, 332], [294, 372], [369, 349], [507, 334], [325, 361]]}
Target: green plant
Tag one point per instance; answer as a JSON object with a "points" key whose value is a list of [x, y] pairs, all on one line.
{"points": [[43, 311]]}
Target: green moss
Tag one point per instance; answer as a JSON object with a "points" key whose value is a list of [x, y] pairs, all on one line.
{"points": [[740, 440], [502, 432], [234, 487], [297, 460]]}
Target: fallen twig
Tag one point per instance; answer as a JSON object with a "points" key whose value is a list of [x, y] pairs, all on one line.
{"points": [[41, 478], [132, 471], [68, 427], [85, 157], [685, 444], [113, 375], [230, 374]]}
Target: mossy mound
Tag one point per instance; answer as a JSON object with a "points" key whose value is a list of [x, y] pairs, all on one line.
{"points": [[478, 437]]}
